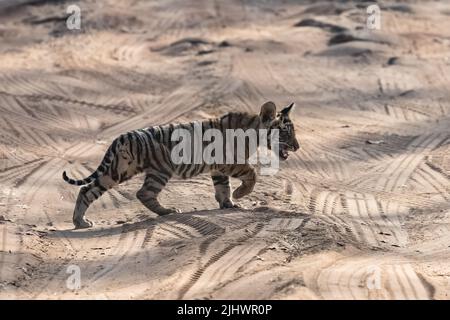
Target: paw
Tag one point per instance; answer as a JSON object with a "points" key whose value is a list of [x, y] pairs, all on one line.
{"points": [[82, 224], [227, 204], [166, 211]]}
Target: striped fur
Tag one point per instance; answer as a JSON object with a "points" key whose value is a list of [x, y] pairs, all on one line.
{"points": [[149, 150]]}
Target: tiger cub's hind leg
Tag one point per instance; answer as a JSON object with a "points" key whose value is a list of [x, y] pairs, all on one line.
{"points": [[86, 196], [148, 194]]}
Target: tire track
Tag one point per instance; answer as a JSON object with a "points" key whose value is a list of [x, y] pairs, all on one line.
{"points": [[216, 257], [119, 109]]}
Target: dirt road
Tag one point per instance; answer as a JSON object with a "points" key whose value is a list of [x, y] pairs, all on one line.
{"points": [[361, 211]]}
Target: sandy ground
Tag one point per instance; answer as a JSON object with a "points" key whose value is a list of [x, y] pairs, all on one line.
{"points": [[360, 212]]}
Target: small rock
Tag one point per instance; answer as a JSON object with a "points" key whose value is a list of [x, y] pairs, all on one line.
{"points": [[405, 93], [341, 38], [22, 206], [203, 52], [3, 220], [319, 24], [224, 44], [374, 141], [206, 63], [392, 61]]}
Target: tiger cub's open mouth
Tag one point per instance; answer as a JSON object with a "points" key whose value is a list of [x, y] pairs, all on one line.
{"points": [[283, 153]]}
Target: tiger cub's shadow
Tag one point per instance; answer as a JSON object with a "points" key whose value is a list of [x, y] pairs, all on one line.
{"points": [[190, 218]]}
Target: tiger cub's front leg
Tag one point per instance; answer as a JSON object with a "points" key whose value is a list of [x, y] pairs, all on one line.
{"points": [[245, 172], [223, 190], [148, 194]]}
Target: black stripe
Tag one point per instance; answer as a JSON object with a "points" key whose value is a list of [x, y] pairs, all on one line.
{"points": [[239, 173], [166, 158], [200, 168], [182, 168], [130, 142], [157, 133], [222, 129], [152, 188], [190, 172], [151, 151], [220, 180], [204, 127], [101, 168], [169, 136], [147, 144], [159, 166], [139, 148], [155, 156], [112, 150], [156, 178], [113, 170], [96, 194]]}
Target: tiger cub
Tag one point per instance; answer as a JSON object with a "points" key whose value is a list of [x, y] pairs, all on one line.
{"points": [[149, 150]]}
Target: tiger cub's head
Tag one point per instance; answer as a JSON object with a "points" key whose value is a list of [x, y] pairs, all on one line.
{"points": [[271, 119]]}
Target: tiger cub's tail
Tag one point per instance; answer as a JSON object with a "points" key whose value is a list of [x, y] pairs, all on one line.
{"points": [[102, 168]]}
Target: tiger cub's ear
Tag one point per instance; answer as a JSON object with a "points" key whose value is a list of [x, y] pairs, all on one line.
{"points": [[286, 111], [268, 112]]}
